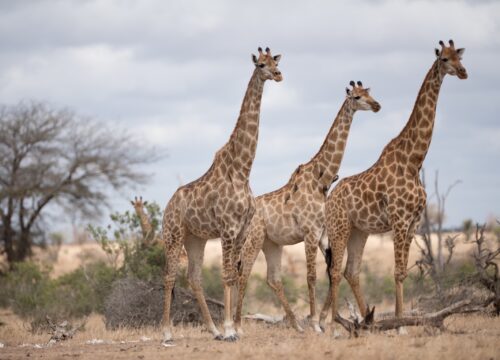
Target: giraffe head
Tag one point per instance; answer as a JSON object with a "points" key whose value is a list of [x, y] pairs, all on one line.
{"points": [[138, 203], [267, 65], [449, 59], [360, 97]]}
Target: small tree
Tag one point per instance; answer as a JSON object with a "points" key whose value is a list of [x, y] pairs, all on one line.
{"points": [[52, 156]]}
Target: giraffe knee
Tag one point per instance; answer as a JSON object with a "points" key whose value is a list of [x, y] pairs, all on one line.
{"points": [[336, 278], [351, 277], [311, 277], [230, 278], [400, 276]]}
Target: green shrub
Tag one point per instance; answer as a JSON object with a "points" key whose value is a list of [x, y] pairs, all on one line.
{"points": [[212, 282], [263, 292]]}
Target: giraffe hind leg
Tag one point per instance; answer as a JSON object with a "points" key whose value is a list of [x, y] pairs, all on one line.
{"points": [[174, 238], [355, 247], [253, 244], [195, 248], [273, 254]]}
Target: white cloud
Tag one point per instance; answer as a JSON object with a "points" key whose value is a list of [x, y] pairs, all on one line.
{"points": [[176, 72]]}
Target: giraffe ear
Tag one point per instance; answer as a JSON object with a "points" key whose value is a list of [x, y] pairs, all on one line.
{"points": [[348, 92], [254, 59], [145, 203], [277, 58], [367, 90], [132, 202], [460, 52], [437, 52]]}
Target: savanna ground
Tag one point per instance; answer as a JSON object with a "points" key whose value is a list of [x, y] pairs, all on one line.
{"points": [[467, 336]]}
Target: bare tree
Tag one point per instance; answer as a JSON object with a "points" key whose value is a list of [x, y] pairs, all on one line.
{"points": [[430, 263], [487, 262], [50, 156]]}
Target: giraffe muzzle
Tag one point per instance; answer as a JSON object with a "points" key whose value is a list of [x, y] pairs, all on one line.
{"points": [[462, 73], [376, 107]]}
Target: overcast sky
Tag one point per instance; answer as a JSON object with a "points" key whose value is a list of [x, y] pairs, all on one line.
{"points": [[175, 73]]}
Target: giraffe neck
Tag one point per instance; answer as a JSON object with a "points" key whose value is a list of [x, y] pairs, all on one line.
{"points": [[144, 222], [415, 139], [243, 141], [327, 160]]}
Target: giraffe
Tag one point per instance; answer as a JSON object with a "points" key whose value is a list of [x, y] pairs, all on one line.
{"points": [[148, 234], [218, 204], [389, 195], [294, 213]]}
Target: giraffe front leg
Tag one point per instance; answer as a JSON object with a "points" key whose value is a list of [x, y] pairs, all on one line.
{"points": [[311, 248], [229, 278], [251, 248], [400, 271]]}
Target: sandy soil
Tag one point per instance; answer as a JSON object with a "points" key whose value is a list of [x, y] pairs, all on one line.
{"points": [[468, 337]]}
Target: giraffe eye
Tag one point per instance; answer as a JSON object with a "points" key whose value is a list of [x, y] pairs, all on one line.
{"points": [[357, 97], [445, 59], [262, 65]]}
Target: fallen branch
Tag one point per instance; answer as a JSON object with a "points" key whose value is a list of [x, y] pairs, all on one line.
{"points": [[62, 331], [435, 319]]}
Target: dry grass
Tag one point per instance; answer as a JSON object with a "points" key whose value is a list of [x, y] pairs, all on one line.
{"points": [[470, 337]]}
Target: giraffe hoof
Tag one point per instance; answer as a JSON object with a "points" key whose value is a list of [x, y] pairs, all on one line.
{"points": [[168, 343], [231, 338], [299, 328], [218, 337], [317, 329]]}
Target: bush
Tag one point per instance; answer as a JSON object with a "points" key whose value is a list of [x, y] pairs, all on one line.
{"points": [[33, 295], [135, 303]]}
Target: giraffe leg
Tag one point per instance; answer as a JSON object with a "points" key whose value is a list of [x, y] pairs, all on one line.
{"points": [[195, 248], [237, 260], [339, 231], [400, 271], [355, 247], [273, 254], [328, 300], [230, 278], [311, 248], [174, 238], [405, 255], [251, 248]]}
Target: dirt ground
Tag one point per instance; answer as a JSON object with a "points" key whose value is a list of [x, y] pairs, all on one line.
{"points": [[468, 337]]}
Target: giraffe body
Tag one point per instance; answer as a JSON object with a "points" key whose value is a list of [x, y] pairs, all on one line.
{"points": [[295, 212], [389, 195], [218, 204]]}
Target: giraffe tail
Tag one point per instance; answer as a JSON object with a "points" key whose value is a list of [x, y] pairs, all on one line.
{"points": [[326, 250], [329, 263]]}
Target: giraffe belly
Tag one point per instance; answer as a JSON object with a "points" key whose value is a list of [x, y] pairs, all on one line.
{"points": [[371, 218], [284, 231]]}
